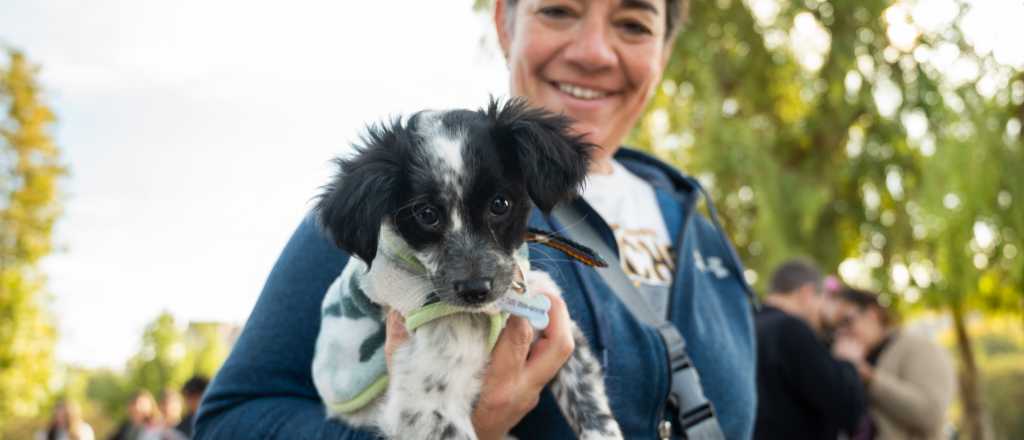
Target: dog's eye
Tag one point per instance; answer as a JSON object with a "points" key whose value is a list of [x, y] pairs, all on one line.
{"points": [[427, 215], [500, 205]]}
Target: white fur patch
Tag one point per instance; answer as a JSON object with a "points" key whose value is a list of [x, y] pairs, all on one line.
{"points": [[393, 286], [437, 371], [446, 147], [456, 220]]}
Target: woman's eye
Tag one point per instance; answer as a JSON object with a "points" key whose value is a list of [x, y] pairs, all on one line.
{"points": [[556, 12], [635, 28], [500, 205], [427, 215]]}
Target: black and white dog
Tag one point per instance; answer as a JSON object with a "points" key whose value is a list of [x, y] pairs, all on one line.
{"points": [[453, 190]]}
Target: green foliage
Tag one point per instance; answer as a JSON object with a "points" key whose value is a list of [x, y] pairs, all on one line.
{"points": [[819, 135], [162, 359], [168, 355], [819, 132], [999, 347], [108, 391], [1003, 389], [804, 158], [207, 348], [30, 173]]}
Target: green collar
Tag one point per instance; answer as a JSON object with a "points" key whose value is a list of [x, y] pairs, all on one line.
{"points": [[417, 318], [430, 312], [399, 253]]}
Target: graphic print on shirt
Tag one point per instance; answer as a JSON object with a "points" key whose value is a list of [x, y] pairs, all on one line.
{"points": [[645, 257]]}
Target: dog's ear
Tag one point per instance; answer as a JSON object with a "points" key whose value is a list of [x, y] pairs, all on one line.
{"points": [[553, 160], [364, 192]]}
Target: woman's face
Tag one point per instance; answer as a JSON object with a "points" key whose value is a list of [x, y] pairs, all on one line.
{"points": [[60, 415], [863, 324], [597, 61]]}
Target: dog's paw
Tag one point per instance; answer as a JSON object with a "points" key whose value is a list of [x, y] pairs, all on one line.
{"points": [[538, 281]]}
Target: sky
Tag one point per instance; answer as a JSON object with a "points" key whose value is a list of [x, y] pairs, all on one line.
{"points": [[197, 132]]}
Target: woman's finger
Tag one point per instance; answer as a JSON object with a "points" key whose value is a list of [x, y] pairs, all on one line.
{"points": [[554, 346], [396, 334], [512, 348]]}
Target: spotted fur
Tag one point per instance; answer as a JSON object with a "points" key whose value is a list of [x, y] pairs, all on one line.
{"points": [[458, 164]]}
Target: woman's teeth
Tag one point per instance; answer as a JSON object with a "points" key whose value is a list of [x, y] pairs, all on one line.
{"points": [[581, 92]]}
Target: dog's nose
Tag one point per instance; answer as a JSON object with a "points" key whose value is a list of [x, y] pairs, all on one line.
{"points": [[474, 290]]}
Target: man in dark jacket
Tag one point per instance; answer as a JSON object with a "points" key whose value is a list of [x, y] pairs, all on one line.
{"points": [[803, 392], [193, 393]]}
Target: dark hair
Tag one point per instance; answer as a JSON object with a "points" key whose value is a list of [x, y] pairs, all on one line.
{"points": [[195, 386], [864, 299], [676, 15], [793, 275]]}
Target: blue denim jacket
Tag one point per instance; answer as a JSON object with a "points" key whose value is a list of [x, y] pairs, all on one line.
{"points": [[265, 389]]}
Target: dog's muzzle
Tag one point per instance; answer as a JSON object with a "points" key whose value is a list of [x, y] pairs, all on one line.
{"points": [[473, 291]]}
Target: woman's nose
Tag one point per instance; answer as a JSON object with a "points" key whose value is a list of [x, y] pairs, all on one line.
{"points": [[591, 49]]}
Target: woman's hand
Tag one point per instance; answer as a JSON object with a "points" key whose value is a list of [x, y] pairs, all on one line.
{"points": [[849, 349], [519, 368]]}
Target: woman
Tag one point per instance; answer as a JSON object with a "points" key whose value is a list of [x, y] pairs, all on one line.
{"points": [[143, 416], [67, 423], [909, 380], [597, 61]]}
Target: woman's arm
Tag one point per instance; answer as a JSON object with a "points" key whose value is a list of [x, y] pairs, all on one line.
{"points": [[265, 389], [918, 397]]}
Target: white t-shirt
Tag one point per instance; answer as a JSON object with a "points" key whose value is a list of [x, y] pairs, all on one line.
{"points": [[628, 205]]}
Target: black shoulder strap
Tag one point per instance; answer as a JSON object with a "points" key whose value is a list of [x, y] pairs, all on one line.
{"points": [[695, 415]]}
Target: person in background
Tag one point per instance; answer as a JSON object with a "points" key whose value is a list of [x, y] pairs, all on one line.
{"points": [[830, 309], [142, 411], [910, 380], [171, 407], [67, 423], [803, 392], [193, 393], [170, 410]]}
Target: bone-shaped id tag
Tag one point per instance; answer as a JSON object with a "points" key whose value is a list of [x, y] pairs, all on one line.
{"points": [[532, 307], [520, 302]]}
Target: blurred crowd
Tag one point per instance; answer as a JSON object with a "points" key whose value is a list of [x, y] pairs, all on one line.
{"points": [[169, 417], [834, 363]]}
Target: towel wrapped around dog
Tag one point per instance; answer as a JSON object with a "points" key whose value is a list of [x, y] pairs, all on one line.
{"points": [[349, 367]]}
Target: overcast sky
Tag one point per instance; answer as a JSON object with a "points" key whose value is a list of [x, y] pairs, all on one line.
{"points": [[198, 131]]}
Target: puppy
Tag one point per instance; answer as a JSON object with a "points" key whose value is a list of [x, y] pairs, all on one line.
{"points": [[435, 211]]}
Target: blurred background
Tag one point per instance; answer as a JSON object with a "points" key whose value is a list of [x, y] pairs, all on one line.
{"points": [[155, 156]]}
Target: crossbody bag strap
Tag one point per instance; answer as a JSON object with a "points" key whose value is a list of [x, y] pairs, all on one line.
{"points": [[695, 416]]}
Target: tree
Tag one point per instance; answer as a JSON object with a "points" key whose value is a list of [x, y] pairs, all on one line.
{"points": [[109, 392], [161, 360], [859, 134], [30, 173], [207, 348], [836, 130], [169, 355]]}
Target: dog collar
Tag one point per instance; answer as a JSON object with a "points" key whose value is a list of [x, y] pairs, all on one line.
{"points": [[431, 312], [356, 395], [402, 255]]}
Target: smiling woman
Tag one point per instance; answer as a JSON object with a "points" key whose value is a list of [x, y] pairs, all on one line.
{"points": [[598, 62]]}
